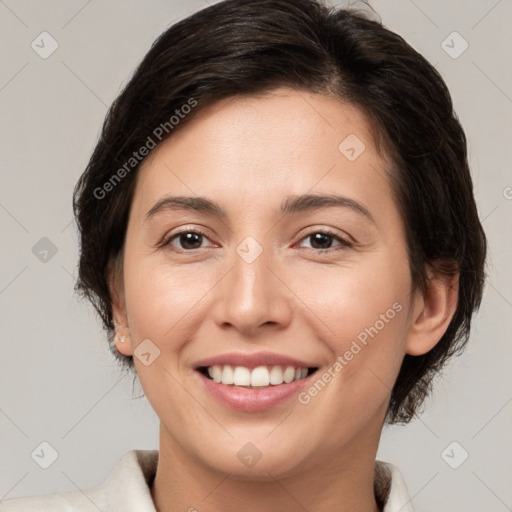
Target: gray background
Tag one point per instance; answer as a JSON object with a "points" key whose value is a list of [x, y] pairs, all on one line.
{"points": [[58, 381]]}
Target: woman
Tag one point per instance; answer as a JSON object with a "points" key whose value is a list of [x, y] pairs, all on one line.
{"points": [[279, 232]]}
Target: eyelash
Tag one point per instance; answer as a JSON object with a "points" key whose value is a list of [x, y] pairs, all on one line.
{"points": [[344, 244]]}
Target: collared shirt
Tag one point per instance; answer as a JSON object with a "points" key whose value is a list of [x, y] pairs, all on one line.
{"points": [[128, 489]]}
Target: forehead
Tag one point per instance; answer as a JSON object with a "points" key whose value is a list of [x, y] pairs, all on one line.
{"points": [[281, 115], [259, 146]]}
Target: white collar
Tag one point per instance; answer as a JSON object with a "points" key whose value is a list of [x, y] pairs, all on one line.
{"points": [[398, 499], [128, 488]]}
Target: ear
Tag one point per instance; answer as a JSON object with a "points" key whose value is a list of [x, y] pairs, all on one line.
{"points": [[122, 339], [433, 311]]}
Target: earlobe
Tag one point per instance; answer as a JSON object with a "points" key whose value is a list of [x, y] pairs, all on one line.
{"points": [[122, 338], [123, 342], [434, 310]]}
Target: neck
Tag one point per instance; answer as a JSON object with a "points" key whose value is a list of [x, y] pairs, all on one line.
{"points": [[340, 482]]}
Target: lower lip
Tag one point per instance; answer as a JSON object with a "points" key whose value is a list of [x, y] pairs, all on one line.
{"points": [[253, 399]]}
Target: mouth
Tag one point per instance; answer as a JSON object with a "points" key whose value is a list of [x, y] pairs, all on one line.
{"points": [[255, 382], [259, 377]]}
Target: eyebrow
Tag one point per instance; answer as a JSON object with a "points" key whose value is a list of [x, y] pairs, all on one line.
{"points": [[292, 204]]}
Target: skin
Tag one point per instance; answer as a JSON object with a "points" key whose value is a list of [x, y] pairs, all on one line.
{"points": [[196, 301]]}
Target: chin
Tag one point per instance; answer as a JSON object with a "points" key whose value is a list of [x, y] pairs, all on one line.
{"points": [[267, 468]]}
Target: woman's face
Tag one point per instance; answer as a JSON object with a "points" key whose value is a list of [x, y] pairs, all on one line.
{"points": [[273, 276]]}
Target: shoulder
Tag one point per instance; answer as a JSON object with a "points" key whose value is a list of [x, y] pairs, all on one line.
{"points": [[127, 488], [64, 502]]}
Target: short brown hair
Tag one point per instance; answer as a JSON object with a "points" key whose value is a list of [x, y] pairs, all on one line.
{"points": [[244, 47]]}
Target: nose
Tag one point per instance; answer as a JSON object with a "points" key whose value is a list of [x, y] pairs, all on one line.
{"points": [[253, 296]]}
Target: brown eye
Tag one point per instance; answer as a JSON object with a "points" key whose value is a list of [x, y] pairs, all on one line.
{"points": [[321, 241], [189, 240]]}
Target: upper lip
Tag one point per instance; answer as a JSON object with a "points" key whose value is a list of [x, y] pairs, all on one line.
{"points": [[253, 360]]}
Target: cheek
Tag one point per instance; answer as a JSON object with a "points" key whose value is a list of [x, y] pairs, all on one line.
{"points": [[360, 313], [161, 298], [350, 297]]}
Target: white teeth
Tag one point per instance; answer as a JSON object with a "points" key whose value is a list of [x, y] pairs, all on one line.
{"points": [[215, 372], [260, 376], [276, 375], [242, 376], [289, 374], [227, 374]]}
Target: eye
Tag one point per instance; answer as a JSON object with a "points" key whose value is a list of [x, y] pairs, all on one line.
{"points": [[324, 238], [189, 239]]}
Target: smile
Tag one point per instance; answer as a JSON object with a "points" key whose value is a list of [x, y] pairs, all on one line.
{"points": [[259, 377], [253, 382]]}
